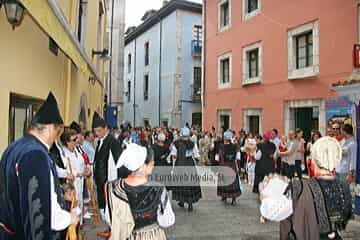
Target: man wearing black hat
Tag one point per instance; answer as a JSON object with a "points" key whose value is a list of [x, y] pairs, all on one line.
{"points": [[107, 153], [30, 195]]}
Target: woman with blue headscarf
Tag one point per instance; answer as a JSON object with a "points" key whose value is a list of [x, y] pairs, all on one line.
{"points": [[229, 154], [183, 153]]}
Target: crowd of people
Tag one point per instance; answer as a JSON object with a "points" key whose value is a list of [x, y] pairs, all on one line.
{"points": [[46, 177]]}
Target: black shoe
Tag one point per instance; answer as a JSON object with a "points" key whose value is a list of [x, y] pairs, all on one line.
{"points": [[181, 204], [223, 199], [190, 207], [233, 202]]}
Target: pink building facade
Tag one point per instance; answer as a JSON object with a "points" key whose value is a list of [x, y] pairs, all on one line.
{"points": [[271, 64]]}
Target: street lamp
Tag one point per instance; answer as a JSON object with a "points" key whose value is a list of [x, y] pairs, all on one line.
{"points": [[14, 12], [104, 54]]}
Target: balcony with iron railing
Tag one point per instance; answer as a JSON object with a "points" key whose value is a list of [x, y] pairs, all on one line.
{"points": [[195, 92], [196, 48]]}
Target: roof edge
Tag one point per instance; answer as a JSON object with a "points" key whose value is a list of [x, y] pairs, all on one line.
{"points": [[162, 13]]}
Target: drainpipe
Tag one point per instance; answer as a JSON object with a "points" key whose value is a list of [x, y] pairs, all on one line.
{"points": [[134, 105], [69, 67], [111, 52], [160, 58], [203, 60]]}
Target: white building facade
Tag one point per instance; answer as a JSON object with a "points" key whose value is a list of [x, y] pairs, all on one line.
{"points": [[162, 67]]}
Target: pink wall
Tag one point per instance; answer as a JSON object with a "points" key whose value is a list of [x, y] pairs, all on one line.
{"points": [[337, 30]]}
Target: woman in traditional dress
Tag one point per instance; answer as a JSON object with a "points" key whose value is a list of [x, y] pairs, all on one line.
{"points": [[265, 163], [139, 209], [75, 165], [313, 209], [229, 155], [183, 153], [161, 151]]}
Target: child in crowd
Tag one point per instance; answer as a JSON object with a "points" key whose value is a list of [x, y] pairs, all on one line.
{"points": [[69, 193], [70, 196], [250, 149]]}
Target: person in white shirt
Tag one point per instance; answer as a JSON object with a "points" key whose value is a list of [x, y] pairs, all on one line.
{"points": [[88, 146], [346, 170], [276, 140], [299, 161], [289, 156], [75, 164]]}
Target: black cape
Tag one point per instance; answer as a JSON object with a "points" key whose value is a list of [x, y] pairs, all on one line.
{"points": [[25, 190]]}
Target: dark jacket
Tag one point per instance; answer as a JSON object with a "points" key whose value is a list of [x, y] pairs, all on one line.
{"points": [[266, 164], [25, 188], [102, 158]]}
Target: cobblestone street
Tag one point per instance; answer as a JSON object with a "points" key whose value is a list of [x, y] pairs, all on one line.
{"points": [[213, 219]]}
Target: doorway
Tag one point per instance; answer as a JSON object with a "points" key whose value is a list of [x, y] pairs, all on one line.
{"points": [[225, 122], [307, 119], [196, 119], [254, 124]]}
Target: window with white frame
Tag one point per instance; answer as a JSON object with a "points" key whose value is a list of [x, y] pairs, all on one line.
{"points": [[303, 52], [196, 81], [129, 63], [224, 71], [250, 8], [146, 49], [252, 64], [146, 87], [224, 119], [100, 32], [146, 122], [128, 93], [224, 14], [197, 32], [82, 21]]}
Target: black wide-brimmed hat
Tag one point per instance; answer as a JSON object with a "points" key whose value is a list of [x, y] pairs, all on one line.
{"points": [[49, 112], [75, 126], [98, 121]]}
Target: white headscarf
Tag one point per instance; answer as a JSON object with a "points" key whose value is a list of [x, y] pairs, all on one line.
{"points": [[133, 157], [275, 205], [326, 152]]}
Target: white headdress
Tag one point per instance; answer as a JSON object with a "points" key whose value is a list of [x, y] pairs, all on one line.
{"points": [[275, 205], [326, 152], [133, 157]]}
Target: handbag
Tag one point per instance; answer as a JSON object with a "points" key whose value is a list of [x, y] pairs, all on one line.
{"points": [[165, 214]]}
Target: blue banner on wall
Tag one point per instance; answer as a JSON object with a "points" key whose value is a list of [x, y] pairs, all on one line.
{"points": [[357, 188], [111, 116], [339, 110]]}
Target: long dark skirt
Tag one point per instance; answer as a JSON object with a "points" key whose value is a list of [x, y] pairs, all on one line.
{"points": [[233, 190], [187, 193], [230, 191]]}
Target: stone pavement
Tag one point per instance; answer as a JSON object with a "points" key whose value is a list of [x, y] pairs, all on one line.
{"points": [[213, 219]]}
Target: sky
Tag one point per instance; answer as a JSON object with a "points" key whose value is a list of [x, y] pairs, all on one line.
{"points": [[135, 9]]}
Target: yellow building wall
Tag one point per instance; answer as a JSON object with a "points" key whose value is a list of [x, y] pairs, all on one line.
{"points": [[29, 68]]}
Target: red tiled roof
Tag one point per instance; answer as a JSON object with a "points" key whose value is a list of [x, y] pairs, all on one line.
{"points": [[353, 79]]}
